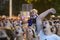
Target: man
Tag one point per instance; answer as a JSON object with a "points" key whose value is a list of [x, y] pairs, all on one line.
{"points": [[47, 34], [37, 19], [40, 17]]}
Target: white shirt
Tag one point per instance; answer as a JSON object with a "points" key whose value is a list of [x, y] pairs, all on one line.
{"points": [[42, 15], [48, 37]]}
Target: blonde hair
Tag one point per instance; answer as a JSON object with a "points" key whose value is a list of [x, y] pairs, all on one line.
{"points": [[34, 10]]}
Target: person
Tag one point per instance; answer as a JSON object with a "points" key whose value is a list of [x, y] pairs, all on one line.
{"points": [[41, 17], [18, 32], [32, 19], [3, 35], [47, 34], [38, 18], [7, 25]]}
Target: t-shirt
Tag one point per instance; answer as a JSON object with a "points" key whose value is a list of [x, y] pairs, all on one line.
{"points": [[48, 37]]}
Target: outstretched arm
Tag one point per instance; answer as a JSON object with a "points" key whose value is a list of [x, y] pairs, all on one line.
{"points": [[42, 15], [45, 13]]}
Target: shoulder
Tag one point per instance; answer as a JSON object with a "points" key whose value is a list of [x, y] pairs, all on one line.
{"points": [[56, 37]]}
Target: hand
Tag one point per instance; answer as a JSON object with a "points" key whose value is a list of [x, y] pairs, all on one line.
{"points": [[52, 10]]}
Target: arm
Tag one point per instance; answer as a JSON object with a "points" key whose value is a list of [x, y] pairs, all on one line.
{"points": [[42, 15], [45, 13]]}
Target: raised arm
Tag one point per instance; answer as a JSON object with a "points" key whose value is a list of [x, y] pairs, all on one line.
{"points": [[42, 15], [45, 13]]}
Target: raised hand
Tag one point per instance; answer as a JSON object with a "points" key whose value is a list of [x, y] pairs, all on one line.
{"points": [[52, 10]]}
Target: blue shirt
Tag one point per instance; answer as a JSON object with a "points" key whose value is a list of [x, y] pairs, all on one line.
{"points": [[30, 22]]}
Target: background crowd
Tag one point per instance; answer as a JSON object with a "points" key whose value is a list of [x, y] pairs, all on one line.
{"points": [[24, 28]]}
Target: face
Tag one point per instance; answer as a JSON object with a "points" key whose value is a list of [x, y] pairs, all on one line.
{"points": [[46, 26], [32, 14]]}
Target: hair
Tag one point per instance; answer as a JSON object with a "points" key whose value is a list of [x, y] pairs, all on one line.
{"points": [[34, 10]]}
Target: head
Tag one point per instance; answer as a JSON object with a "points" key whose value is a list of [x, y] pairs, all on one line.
{"points": [[33, 12], [46, 27], [18, 31]]}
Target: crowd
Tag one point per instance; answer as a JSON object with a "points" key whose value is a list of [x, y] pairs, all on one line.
{"points": [[35, 27]]}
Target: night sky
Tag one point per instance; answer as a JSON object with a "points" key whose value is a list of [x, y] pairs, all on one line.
{"points": [[40, 5]]}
